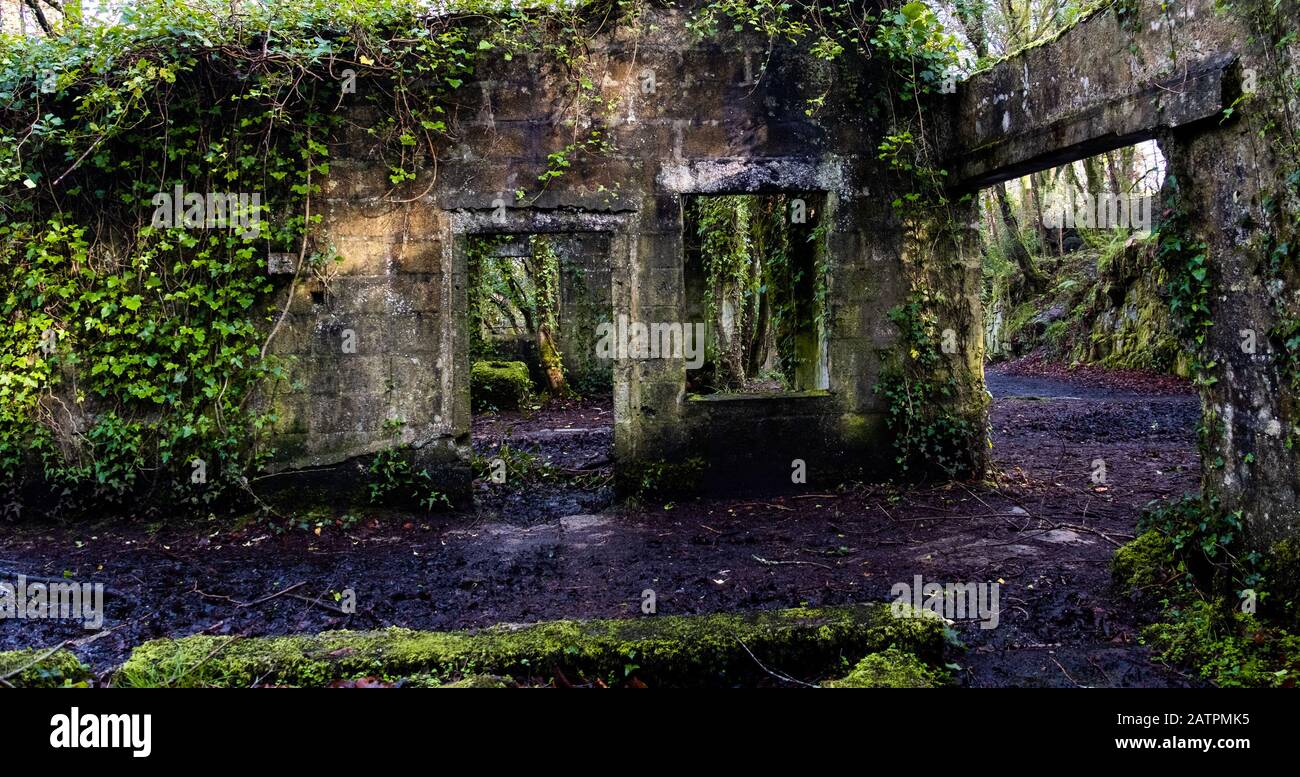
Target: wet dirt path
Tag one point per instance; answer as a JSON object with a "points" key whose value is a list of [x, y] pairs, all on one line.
{"points": [[1042, 527]]}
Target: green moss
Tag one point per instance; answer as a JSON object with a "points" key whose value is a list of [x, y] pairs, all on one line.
{"points": [[662, 650], [1143, 563], [1226, 647], [57, 670], [479, 681], [499, 385], [1019, 319], [892, 668], [862, 429]]}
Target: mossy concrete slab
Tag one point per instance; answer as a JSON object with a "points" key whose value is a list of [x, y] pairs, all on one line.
{"points": [[719, 649]]}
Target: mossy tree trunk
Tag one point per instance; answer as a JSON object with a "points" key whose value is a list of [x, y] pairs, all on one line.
{"points": [[1034, 278], [545, 269], [552, 363]]}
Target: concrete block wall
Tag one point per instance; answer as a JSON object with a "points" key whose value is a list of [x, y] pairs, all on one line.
{"points": [[708, 128]]}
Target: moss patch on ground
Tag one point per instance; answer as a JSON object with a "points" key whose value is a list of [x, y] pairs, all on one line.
{"points": [[1226, 647], [692, 650], [35, 669], [1206, 624], [892, 668]]}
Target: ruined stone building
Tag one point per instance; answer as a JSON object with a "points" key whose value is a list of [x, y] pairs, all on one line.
{"points": [[730, 116]]}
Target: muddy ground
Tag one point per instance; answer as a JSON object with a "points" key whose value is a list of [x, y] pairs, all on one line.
{"points": [[563, 549]]}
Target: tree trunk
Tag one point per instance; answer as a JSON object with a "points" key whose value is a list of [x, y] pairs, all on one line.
{"points": [[972, 18], [552, 364], [544, 267], [1034, 278]]}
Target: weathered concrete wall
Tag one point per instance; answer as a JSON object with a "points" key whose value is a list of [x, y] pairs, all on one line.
{"points": [[708, 127], [372, 339], [1232, 175]]}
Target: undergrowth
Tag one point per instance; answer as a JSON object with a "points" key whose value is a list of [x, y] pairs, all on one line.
{"points": [[1218, 617]]}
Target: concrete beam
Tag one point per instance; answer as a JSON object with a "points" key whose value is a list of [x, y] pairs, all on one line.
{"points": [[1102, 85]]}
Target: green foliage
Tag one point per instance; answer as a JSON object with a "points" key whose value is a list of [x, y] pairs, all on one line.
{"points": [[921, 52], [910, 38], [1190, 552], [662, 478], [1144, 563], [395, 479], [722, 226], [134, 345], [669, 650], [1185, 260], [918, 387], [502, 294], [512, 298], [1206, 542], [905, 154], [545, 269], [524, 467], [892, 668], [1229, 648], [43, 669], [773, 272]]}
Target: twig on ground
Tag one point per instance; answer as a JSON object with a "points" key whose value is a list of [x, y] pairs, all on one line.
{"points": [[242, 605], [770, 563], [4, 680], [319, 603], [269, 597], [1067, 674], [778, 675], [1097, 532]]}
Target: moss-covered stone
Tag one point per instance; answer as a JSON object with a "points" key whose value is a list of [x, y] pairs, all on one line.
{"points": [[479, 681], [1143, 563], [499, 385], [892, 668], [21, 669], [661, 651]]}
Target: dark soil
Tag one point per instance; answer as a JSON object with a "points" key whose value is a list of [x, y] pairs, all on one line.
{"points": [[571, 440], [554, 550]]}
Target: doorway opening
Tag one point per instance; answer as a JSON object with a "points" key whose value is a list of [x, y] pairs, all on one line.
{"points": [[540, 392]]}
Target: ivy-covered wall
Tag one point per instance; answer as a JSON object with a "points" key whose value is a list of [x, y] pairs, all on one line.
{"points": [[678, 114], [1232, 245], [331, 347]]}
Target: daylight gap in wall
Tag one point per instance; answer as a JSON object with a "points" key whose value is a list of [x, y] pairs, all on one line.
{"points": [[1071, 269]]}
